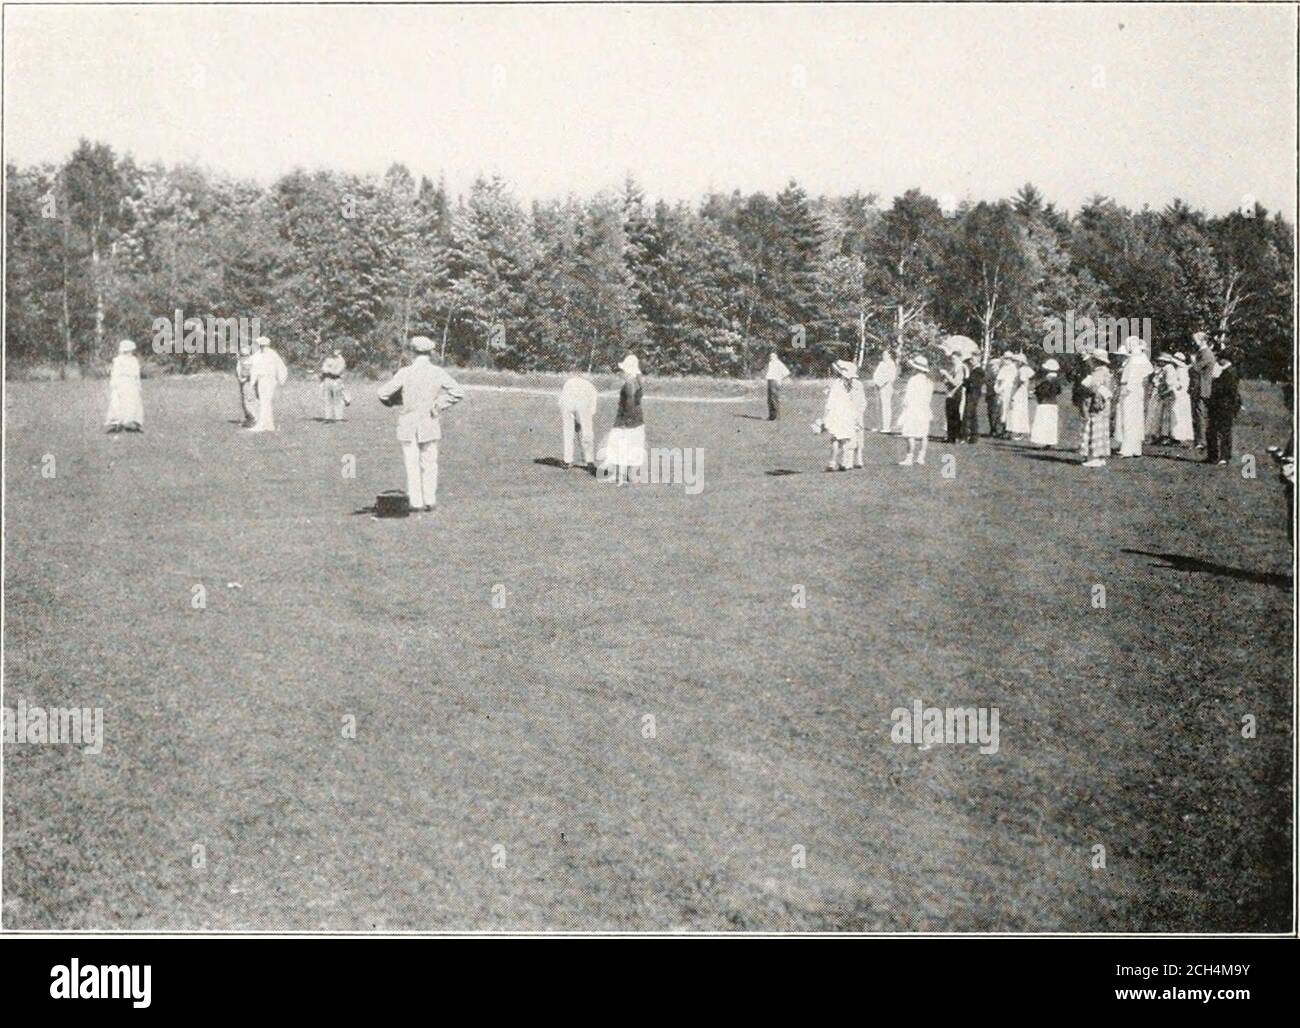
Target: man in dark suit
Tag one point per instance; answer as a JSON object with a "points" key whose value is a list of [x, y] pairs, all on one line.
{"points": [[1222, 407], [974, 388], [954, 379], [1201, 378]]}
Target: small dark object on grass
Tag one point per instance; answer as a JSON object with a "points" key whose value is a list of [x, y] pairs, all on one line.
{"points": [[394, 503]]}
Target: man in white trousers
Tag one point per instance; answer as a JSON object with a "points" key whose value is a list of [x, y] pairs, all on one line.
{"points": [[423, 390], [266, 371], [883, 379], [578, 412]]}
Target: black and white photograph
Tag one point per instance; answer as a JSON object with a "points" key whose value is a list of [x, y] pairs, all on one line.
{"points": [[604, 469]]}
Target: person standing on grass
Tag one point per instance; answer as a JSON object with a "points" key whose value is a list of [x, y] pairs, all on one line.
{"points": [[125, 400], [331, 386], [883, 379], [423, 390], [578, 415], [1224, 404], [1132, 398], [247, 394], [1044, 431], [1180, 413], [1007, 376], [1095, 394], [914, 421], [1160, 409], [992, 398], [268, 372], [777, 373], [1018, 405], [974, 389], [625, 445], [954, 381], [839, 417], [858, 394], [1202, 381]]}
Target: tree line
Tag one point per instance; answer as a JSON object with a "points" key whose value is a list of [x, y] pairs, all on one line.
{"points": [[100, 248]]}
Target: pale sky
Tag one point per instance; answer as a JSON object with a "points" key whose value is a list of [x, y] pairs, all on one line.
{"points": [[966, 101]]}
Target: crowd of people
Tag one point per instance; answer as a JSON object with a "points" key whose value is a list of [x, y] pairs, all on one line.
{"points": [[1124, 401]]}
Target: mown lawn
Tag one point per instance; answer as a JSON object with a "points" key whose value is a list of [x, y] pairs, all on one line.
{"points": [[523, 727]]}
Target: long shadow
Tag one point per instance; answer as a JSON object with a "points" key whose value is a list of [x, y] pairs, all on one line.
{"points": [[778, 472], [751, 417], [549, 462], [1054, 458], [1177, 562]]}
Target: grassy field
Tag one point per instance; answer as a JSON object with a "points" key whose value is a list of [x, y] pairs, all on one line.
{"points": [[500, 775]]}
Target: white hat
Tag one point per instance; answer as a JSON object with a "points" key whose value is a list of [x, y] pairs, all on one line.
{"points": [[125, 346], [1166, 358], [1099, 355], [1051, 365], [630, 365], [262, 341], [421, 344], [1133, 344], [1180, 358], [845, 368], [919, 362]]}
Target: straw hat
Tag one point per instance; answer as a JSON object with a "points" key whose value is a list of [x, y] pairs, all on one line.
{"points": [[845, 368], [630, 365], [422, 344], [125, 346], [919, 362], [1051, 365], [1100, 356]]}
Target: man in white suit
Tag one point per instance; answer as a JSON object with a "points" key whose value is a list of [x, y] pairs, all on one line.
{"points": [[266, 371], [423, 390], [578, 412], [883, 379]]}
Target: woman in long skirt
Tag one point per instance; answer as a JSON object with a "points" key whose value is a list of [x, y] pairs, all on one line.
{"points": [[125, 402], [1045, 429], [1018, 412], [625, 444], [840, 417], [914, 421], [1097, 389]]}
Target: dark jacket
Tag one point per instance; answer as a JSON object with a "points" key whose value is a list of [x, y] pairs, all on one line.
{"points": [[1225, 396]]}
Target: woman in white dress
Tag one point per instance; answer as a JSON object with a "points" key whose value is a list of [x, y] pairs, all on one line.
{"points": [[1018, 412], [1045, 430], [625, 445], [1131, 421], [125, 402], [914, 421], [1181, 427], [840, 419]]}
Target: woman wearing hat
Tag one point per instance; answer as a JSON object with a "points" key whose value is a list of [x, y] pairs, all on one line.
{"points": [[1131, 420], [1095, 393], [1045, 430], [1018, 405], [125, 402], [914, 421], [625, 445], [840, 418], [1160, 408]]}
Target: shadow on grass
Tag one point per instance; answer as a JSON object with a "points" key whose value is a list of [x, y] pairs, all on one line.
{"points": [[1177, 562], [778, 472], [1054, 458], [752, 417], [555, 462]]}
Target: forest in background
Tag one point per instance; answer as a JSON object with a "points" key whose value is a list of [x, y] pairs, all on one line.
{"points": [[99, 247]]}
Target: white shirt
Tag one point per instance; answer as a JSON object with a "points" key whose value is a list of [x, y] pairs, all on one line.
{"points": [[266, 365], [578, 396], [886, 372], [427, 390], [776, 371]]}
